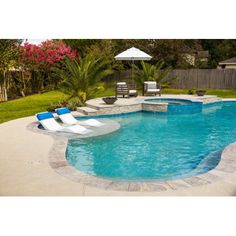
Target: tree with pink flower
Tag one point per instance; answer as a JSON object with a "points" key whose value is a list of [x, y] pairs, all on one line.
{"points": [[39, 59]]}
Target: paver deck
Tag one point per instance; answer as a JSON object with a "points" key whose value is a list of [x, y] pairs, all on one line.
{"points": [[99, 103]]}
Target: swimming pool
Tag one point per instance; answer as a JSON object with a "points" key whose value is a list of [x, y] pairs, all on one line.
{"points": [[150, 146]]}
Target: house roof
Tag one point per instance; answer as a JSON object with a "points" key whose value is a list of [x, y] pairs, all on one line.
{"points": [[229, 61]]}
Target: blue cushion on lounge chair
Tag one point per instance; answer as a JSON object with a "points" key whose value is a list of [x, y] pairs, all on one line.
{"points": [[44, 115], [63, 110]]}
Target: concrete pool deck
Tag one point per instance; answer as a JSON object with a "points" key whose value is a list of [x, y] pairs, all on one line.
{"points": [[26, 169], [124, 105]]}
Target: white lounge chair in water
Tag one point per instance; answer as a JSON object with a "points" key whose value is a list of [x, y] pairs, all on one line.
{"points": [[48, 122], [65, 115]]}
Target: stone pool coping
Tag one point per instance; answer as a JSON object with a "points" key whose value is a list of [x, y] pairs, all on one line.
{"points": [[29, 167], [58, 162]]}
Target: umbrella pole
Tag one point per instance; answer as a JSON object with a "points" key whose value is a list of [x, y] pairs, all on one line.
{"points": [[132, 72]]}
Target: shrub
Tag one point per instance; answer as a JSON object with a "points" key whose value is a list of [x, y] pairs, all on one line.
{"points": [[72, 105], [191, 91], [81, 79]]}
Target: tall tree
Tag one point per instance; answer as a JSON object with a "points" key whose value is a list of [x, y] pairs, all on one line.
{"points": [[212, 45], [172, 50], [81, 45], [227, 49], [40, 58], [219, 49], [8, 58], [105, 49]]}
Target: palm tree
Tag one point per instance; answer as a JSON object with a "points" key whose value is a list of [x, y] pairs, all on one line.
{"points": [[149, 72], [81, 79]]}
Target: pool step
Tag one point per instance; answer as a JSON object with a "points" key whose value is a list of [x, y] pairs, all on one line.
{"points": [[209, 99], [77, 114], [92, 106], [87, 110]]}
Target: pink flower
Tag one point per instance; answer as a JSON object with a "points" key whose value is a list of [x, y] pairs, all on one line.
{"points": [[46, 54]]}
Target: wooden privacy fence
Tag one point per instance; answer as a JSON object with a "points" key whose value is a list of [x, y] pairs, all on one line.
{"points": [[192, 78], [203, 78]]}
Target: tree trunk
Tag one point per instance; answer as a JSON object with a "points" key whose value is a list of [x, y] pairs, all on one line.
{"points": [[3, 89], [24, 85], [22, 93], [3, 93], [34, 82]]}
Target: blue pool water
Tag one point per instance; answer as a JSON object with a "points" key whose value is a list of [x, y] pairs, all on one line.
{"points": [[150, 146], [171, 101], [178, 106]]}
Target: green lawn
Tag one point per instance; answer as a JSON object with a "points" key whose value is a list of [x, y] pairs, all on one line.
{"points": [[30, 105]]}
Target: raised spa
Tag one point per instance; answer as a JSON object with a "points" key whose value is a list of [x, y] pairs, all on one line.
{"points": [[172, 106], [170, 101], [154, 146]]}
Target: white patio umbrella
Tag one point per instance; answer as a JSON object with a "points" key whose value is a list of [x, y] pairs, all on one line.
{"points": [[133, 54]]}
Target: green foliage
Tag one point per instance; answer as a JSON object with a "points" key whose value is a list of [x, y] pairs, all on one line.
{"points": [[8, 53], [170, 50], [8, 59], [106, 50], [71, 104], [212, 45], [219, 49], [55, 105], [227, 49], [80, 45], [81, 79], [149, 72], [191, 91]]}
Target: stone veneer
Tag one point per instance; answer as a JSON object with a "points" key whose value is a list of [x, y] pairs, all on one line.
{"points": [[119, 109], [155, 107], [145, 106], [125, 105]]}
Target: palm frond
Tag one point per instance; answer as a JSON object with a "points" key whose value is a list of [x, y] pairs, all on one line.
{"points": [[80, 78]]}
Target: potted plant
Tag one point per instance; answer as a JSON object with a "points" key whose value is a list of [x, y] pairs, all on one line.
{"points": [[109, 100], [201, 92]]}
